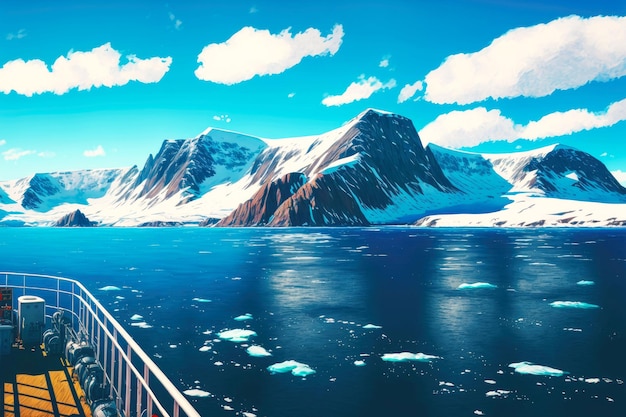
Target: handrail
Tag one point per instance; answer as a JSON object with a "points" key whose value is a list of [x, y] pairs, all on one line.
{"points": [[91, 316]]}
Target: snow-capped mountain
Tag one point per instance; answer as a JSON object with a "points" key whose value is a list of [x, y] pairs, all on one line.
{"points": [[371, 170], [551, 186]]}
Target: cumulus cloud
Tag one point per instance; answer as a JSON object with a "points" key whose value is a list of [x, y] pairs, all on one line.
{"points": [[81, 70], [14, 154], [251, 52], [291, 95], [222, 118], [620, 176], [97, 151], [384, 63], [471, 127], [20, 34], [534, 61], [176, 22], [3, 142], [359, 90], [409, 90]]}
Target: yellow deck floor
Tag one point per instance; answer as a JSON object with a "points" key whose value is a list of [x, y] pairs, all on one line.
{"points": [[36, 385]]}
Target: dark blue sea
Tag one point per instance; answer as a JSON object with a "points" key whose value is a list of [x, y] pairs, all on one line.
{"points": [[486, 322]]}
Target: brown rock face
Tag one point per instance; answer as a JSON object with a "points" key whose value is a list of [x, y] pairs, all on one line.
{"points": [[74, 219], [259, 210]]}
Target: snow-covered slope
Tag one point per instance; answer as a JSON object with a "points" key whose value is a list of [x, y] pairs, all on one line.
{"points": [[551, 186], [371, 170]]}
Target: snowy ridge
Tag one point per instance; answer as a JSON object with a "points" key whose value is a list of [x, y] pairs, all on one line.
{"points": [[371, 170]]}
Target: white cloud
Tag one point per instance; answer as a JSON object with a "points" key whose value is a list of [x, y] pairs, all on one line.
{"points": [[534, 61], [604, 154], [222, 118], [359, 90], [92, 153], [46, 154], [468, 128], [384, 63], [82, 70], [20, 34], [177, 22], [253, 10], [14, 154], [3, 142], [472, 127], [620, 176], [251, 52], [409, 90], [291, 95]]}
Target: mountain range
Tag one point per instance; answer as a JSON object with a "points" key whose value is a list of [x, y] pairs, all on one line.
{"points": [[373, 170]]}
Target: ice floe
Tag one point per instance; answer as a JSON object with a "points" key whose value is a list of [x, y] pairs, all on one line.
{"points": [[585, 282], [258, 351], [476, 285], [136, 317], [204, 349], [533, 369], [296, 368], [573, 304], [141, 325], [244, 317], [200, 300], [110, 288], [236, 335], [195, 392], [408, 356], [372, 326], [359, 363]]}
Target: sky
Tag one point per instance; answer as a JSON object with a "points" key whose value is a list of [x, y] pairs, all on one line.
{"points": [[101, 84]]}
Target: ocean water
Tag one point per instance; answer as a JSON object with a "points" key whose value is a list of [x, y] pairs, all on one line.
{"points": [[361, 322]]}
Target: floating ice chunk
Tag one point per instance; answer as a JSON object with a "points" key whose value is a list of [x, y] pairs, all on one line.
{"points": [[173, 346], [408, 356], [136, 317], [204, 349], [573, 304], [592, 380], [585, 282], [110, 288], [303, 371], [479, 413], [372, 326], [532, 369], [197, 393], [572, 329], [475, 285], [236, 335], [490, 381], [200, 300], [257, 351], [248, 414], [244, 317], [141, 325], [359, 363], [296, 368]]}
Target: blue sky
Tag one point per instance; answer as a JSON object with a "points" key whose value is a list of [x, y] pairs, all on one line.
{"points": [[102, 84]]}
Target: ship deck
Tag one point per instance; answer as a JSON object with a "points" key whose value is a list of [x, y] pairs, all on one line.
{"points": [[37, 385]]}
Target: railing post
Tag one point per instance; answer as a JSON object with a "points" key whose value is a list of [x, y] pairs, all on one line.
{"points": [[146, 378], [129, 352]]}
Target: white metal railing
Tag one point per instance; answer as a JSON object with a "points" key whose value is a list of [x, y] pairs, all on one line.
{"points": [[135, 380]]}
